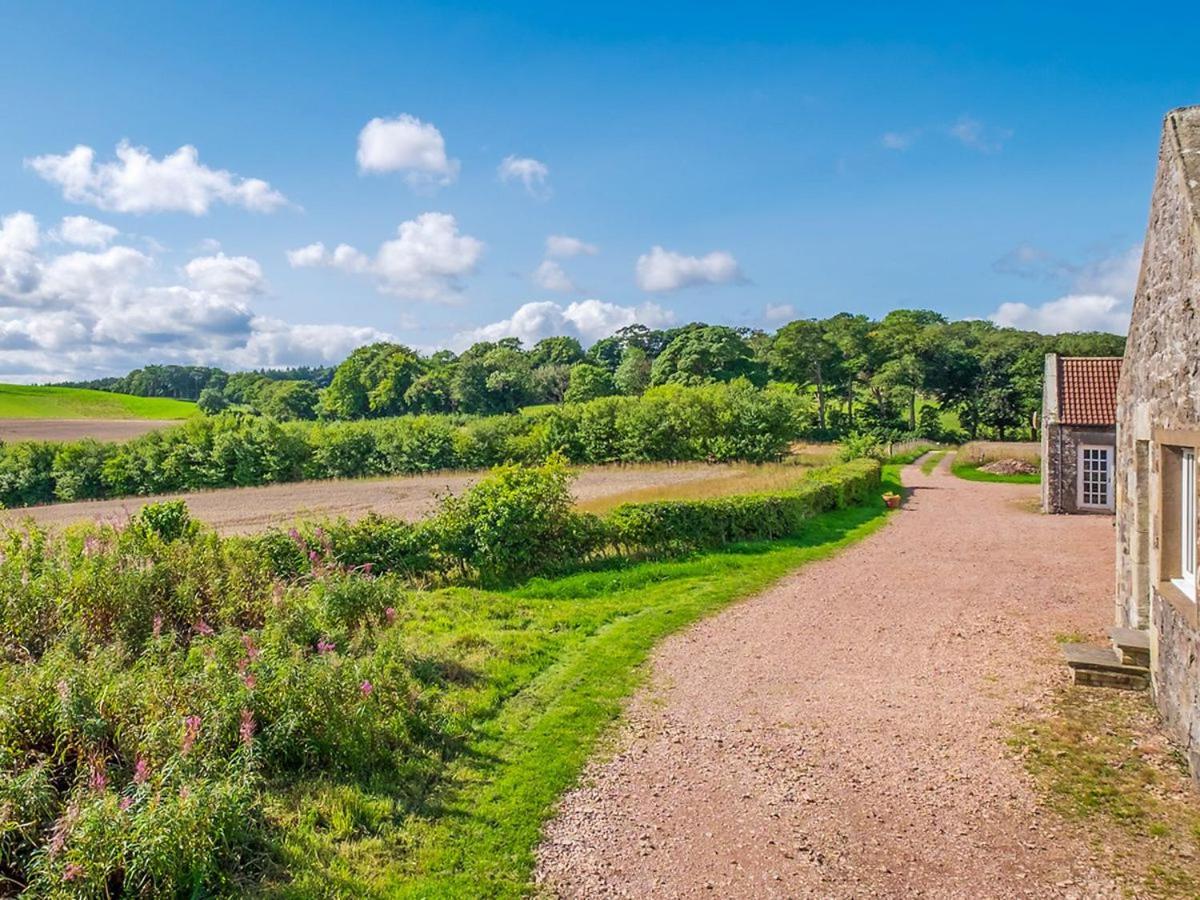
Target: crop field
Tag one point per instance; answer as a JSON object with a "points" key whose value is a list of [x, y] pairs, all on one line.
{"points": [[19, 401], [250, 509], [12, 430]]}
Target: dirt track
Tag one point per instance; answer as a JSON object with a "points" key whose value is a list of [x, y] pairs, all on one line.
{"points": [[74, 429], [842, 734], [243, 510]]}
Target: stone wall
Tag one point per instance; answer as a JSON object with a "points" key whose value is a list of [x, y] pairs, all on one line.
{"points": [[1060, 471], [1158, 404]]}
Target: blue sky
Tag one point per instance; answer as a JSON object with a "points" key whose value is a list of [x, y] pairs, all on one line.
{"points": [[788, 162]]}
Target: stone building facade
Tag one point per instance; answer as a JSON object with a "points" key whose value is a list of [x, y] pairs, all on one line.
{"points": [[1158, 438], [1079, 433]]}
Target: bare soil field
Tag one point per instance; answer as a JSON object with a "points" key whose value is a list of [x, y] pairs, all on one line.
{"points": [[246, 510], [844, 733], [73, 429]]}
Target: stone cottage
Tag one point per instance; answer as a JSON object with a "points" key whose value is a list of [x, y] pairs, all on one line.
{"points": [[1158, 438], [1079, 433]]}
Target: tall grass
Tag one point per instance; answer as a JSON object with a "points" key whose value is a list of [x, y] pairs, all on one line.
{"points": [[980, 453]]}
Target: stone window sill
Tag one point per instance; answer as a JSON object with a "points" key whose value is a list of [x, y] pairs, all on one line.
{"points": [[1184, 605]]}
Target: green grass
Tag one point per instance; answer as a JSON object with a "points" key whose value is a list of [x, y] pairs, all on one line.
{"points": [[1099, 759], [930, 464], [972, 472], [19, 401], [540, 672]]}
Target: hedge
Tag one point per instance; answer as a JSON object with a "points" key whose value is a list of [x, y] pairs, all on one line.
{"points": [[515, 507], [719, 422]]}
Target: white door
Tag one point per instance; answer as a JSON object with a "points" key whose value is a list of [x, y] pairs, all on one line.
{"points": [[1095, 489]]}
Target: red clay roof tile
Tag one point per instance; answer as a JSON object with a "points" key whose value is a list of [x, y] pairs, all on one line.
{"points": [[1087, 390]]}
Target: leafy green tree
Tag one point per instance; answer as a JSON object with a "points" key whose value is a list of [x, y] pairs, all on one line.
{"points": [[704, 354], [289, 400], [212, 401], [802, 352], [606, 353], [633, 374], [371, 382], [431, 392], [588, 381], [563, 351]]}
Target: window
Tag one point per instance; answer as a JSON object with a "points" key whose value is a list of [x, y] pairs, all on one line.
{"points": [[1095, 477], [1186, 581]]}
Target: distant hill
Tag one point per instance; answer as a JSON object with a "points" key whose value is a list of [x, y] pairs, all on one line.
{"points": [[19, 401]]}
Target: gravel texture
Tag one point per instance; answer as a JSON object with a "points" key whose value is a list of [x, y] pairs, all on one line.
{"points": [[843, 734], [246, 510]]}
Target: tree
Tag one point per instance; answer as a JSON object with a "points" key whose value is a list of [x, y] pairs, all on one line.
{"points": [[707, 353], [372, 381], [588, 381], [899, 341], [633, 374], [289, 400], [211, 401], [563, 351], [802, 352]]}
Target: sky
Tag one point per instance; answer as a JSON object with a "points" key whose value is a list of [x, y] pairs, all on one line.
{"points": [[273, 184]]}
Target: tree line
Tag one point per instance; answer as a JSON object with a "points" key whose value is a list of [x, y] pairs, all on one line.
{"points": [[892, 375]]}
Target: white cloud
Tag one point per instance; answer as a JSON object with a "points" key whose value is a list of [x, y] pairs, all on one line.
{"points": [[783, 312], [1100, 297], [406, 144], [899, 140], [426, 261], [588, 320], [84, 232], [232, 275], [551, 277], [564, 247], [136, 182], [664, 270], [971, 132], [19, 238], [1074, 312], [530, 172], [81, 314]]}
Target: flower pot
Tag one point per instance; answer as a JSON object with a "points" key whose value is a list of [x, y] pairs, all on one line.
{"points": [[892, 500]]}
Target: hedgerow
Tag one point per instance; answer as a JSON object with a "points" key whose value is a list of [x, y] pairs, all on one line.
{"points": [[159, 683], [716, 422]]}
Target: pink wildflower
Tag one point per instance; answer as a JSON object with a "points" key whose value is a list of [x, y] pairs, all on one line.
{"points": [[313, 556], [249, 681], [158, 626], [191, 731], [366, 687], [141, 771], [64, 691], [126, 802], [184, 793], [324, 646], [252, 652], [97, 779], [295, 535], [390, 613], [246, 731], [72, 871], [203, 627], [367, 568]]}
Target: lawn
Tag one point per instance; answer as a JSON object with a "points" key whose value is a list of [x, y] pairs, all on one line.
{"points": [[19, 401], [541, 671], [972, 472], [974, 454]]}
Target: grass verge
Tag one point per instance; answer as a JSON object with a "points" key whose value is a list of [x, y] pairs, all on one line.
{"points": [[973, 472], [541, 671], [930, 464], [1099, 759]]}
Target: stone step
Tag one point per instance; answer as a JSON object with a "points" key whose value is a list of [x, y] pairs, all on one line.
{"points": [[1133, 645], [1103, 667]]}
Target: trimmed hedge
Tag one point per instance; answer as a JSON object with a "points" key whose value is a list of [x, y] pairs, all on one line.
{"points": [[514, 526]]}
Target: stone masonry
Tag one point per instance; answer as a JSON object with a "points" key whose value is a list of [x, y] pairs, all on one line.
{"points": [[1158, 414]]}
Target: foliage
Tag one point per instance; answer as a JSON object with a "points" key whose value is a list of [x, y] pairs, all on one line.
{"points": [[713, 422], [587, 382], [705, 353], [855, 446]]}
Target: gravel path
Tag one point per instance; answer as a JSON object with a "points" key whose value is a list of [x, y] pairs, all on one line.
{"points": [[842, 734]]}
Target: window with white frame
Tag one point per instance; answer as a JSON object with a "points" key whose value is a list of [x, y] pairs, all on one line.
{"points": [[1187, 522], [1095, 476]]}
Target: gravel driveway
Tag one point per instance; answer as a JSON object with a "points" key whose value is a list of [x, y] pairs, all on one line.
{"points": [[843, 734]]}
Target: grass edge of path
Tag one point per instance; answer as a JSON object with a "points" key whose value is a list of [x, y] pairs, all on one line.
{"points": [[971, 472], [487, 843]]}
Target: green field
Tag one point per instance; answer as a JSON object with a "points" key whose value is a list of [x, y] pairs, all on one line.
{"points": [[972, 472], [21, 401]]}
